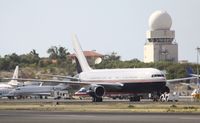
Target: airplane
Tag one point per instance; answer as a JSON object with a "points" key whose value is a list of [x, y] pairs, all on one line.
{"points": [[196, 92], [6, 87], [132, 81], [191, 73], [36, 90], [12, 82], [129, 81]]}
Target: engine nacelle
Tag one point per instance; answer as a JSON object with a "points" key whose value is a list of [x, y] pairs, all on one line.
{"points": [[97, 91]]}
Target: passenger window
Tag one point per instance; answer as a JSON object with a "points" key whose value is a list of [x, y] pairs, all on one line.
{"points": [[157, 75]]}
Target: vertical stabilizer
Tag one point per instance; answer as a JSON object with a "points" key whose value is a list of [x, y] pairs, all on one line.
{"points": [[79, 54], [78, 66], [15, 76], [189, 71]]}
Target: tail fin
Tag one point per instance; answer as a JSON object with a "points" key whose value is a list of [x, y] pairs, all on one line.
{"points": [[79, 54], [191, 74], [15, 76], [189, 71], [78, 66]]}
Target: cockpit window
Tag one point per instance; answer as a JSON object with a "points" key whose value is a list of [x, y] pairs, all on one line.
{"points": [[158, 75]]}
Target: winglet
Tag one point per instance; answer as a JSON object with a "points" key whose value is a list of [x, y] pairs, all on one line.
{"points": [[79, 54]]}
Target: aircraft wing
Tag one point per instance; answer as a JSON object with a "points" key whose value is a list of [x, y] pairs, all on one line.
{"points": [[195, 75], [59, 76], [43, 80], [69, 82], [179, 80], [116, 85]]}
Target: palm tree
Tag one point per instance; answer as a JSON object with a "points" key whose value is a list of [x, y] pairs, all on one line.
{"points": [[53, 52]]}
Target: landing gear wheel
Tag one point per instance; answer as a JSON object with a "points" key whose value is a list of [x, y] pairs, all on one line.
{"points": [[10, 97], [155, 99], [97, 99], [131, 99], [135, 99]]}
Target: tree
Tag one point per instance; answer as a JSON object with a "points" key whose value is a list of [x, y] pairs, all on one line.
{"points": [[4, 64], [59, 53], [62, 53], [113, 56], [10, 61], [34, 56], [53, 52], [31, 58], [110, 61]]}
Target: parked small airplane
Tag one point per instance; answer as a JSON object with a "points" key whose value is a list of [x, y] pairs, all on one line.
{"points": [[6, 87], [11, 82], [35, 90]]}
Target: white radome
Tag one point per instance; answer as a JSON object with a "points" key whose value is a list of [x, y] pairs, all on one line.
{"points": [[160, 20]]}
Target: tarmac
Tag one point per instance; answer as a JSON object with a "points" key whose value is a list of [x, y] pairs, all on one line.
{"points": [[14, 116], [38, 116]]}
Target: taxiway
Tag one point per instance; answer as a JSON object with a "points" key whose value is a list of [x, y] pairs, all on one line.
{"points": [[91, 117]]}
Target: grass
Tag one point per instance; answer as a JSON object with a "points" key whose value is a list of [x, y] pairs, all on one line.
{"points": [[101, 107]]}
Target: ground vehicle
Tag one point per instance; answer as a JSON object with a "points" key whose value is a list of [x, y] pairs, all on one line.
{"points": [[196, 94], [169, 97]]}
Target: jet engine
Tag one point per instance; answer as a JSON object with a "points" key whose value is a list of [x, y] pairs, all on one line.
{"points": [[97, 91]]}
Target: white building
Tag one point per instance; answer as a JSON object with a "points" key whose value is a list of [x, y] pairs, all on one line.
{"points": [[160, 44]]}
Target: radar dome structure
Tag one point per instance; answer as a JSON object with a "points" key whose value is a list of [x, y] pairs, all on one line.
{"points": [[160, 44], [160, 20]]}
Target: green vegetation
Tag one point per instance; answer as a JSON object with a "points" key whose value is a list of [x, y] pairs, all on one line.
{"points": [[58, 63]]}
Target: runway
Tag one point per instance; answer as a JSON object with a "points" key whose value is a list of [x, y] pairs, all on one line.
{"points": [[90, 117]]}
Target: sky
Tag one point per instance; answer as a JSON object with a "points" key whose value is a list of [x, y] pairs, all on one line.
{"points": [[102, 25]]}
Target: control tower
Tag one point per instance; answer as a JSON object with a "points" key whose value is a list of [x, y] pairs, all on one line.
{"points": [[160, 44]]}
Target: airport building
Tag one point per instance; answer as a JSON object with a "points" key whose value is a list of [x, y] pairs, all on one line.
{"points": [[92, 57], [160, 44]]}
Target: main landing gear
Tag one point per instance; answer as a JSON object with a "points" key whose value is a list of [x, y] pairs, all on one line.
{"points": [[97, 99], [134, 99], [164, 90]]}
